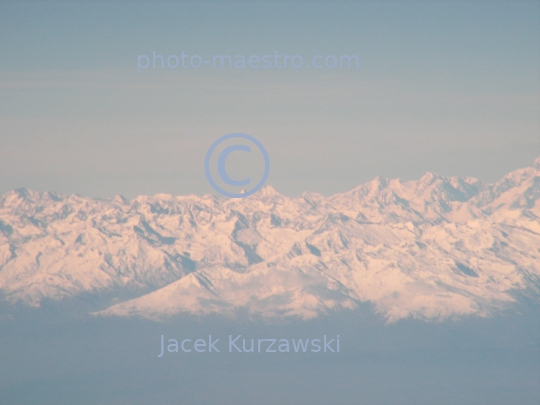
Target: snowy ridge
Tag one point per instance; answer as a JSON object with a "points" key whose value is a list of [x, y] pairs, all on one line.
{"points": [[436, 248]]}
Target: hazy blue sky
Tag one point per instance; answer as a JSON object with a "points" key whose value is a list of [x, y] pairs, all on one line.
{"points": [[450, 87]]}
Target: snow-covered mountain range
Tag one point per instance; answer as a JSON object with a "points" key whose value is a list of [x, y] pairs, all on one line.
{"points": [[436, 248]]}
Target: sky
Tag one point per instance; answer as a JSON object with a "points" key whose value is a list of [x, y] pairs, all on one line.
{"points": [[451, 87]]}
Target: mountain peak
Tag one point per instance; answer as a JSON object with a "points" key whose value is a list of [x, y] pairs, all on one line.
{"points": [[536, 163], [267, 191], [120, 199], [430, 177], [21, 196], [378, 183]]}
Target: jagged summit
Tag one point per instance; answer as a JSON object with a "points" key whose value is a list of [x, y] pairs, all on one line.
{"points": [[267, 191], [119, 199], [536, 163], [436, 248]]}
